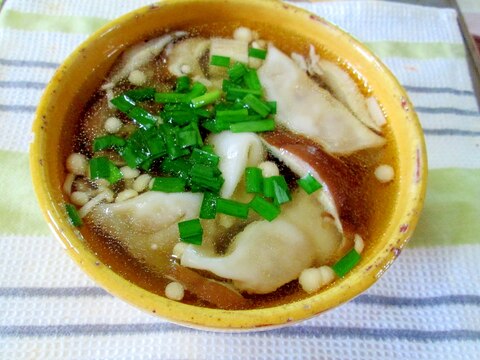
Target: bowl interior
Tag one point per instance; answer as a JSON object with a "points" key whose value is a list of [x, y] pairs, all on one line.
{"points": [[70, 89]]}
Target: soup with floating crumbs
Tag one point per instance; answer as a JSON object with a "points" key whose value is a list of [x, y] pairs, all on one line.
{"points": [[231, 168]]}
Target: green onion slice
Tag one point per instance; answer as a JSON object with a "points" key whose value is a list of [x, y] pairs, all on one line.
{"points": [[183, 84], [73, 215], [254, 180], [218, 60], [232, 207], [142, 94], [208, 209], [169, 184], [309, 184], [191, 231], [346, 263], [257, 53], [205, 99], [108, 142], [253, 126], [264, 208], [102, 168], [257, 105]]}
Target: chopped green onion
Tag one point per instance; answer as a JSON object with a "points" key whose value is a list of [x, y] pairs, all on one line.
{"points": [[209, 206], [208, 149], [254, 180], [179, 167], [186, 138], [143, 94], [232, 207], [218, 60], [142, 117], [174, 150], [264, 208], [273, 107], [205, 99], [309, 184], [102, 168], [169, 184], [268, 190], [202, 156], [251, 80], [253, 126], [191, 231], [231, 116], [346, 263], [257, 105], [237, 71], [107, 142], [178, 117], [183, 84], [234, 93], [257, 53], [73, 216], [123, 103], [170, 98], [204, 113], [276, 187], [197, 89], [281, 195]]}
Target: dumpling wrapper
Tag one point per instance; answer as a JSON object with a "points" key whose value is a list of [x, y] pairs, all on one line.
{"points": [[307, 109], [267, 255], [236, 151], [139, 55], [147, 220], [345, 90], [188, 52]]}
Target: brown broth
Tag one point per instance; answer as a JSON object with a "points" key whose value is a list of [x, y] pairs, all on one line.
{"points": [[375, 208]]}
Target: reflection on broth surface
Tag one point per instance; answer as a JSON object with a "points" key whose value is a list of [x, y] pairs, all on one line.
{"points": [[235, 162]]}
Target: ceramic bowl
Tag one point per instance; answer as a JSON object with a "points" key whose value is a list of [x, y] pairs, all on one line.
{"points": [[83, 72]]}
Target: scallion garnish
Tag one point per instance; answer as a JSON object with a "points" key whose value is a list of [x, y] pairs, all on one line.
{"points": [[123, 103], [257, 53], [73, 215], [253, 126], [203, 156], [237, 71], [309, 184], [346, 263], [251, 80], [208, 209], [171, 97], [107, 142], [254, 180], [197, 90], [142, 94], [276, 187], [102, 168], [234, 93], [232, 208], [169, 184], [142, 117], [191, 231], [183, 84], [218, 60], [257, 105], [231, 116], [205, 99], [264, 208]]}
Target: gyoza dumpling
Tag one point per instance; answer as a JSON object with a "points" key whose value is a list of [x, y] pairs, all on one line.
{"points": [[307, 109], [267, 255], [147, 224], [236, 151]]}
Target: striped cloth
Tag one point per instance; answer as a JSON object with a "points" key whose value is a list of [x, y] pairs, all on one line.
{"points": [[426, 306]]}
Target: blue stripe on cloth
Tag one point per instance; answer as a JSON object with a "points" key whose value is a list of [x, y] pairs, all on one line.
{"points": [[23, 292], [451, 132], [446, 111], [22, 331], [29, 63], [441, 90], [22, 85], [18, 108]]}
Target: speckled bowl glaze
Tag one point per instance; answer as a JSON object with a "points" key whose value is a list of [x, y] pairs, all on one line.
{"points": [[83, 72]]}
